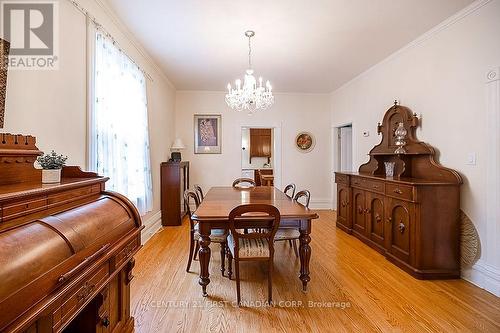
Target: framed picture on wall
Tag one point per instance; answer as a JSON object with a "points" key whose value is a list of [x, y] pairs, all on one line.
{"points": [[305, 142], [207, 133]]}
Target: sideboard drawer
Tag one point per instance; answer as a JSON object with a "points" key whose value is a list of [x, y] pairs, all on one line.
{"points": [[403, 192], [357, 181], [368, 184], [340, 178], [24, 207], [374, 185]]}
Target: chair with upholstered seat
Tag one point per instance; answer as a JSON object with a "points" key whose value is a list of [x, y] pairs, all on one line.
{"points": [[244, 182], [256, 245], [216, 236], [293, 234], [199, 192], [289, 187]]}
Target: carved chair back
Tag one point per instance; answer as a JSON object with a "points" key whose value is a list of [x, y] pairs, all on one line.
{"points": [[289, 187], [246, 215], [303, 194], [244, 182], [188, 195]]}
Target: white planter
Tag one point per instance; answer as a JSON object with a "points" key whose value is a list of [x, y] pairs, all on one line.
{"points": [[51, 176]]}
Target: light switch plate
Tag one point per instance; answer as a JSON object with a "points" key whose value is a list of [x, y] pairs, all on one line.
{"points": [[471, 159]]}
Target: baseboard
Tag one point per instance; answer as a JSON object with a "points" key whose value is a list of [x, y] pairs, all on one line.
{"points": [[320, 204], [484, 276], [151, 226]]}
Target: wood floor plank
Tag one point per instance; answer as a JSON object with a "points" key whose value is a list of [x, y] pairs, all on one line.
{"points": [[352, 288]]}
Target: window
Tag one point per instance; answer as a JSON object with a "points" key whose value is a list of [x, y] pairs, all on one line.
{"points": [[120, 141]]}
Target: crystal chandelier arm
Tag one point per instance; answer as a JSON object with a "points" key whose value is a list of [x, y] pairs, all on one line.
{"points": [[249, 52]]}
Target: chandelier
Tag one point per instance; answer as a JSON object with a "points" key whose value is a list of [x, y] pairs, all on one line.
{"points": [[249, 96]]}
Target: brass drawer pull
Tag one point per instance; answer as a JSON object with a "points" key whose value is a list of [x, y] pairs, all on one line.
{"points": [[398, 191], [378, 218], [360, 210], [389, 220], [375, 186]]}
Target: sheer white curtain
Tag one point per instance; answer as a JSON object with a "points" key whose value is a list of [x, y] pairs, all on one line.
{"points": [[120, 120]]}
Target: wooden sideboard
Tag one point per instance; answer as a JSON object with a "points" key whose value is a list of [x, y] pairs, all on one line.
{"points": [[66, 249], [411, 218], [174, 181]]}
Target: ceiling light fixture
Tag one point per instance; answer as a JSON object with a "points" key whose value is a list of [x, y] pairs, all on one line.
{"points": [[249, 97]]}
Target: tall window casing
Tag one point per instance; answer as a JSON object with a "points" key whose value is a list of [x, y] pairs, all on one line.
{"points": [[120, 139]]}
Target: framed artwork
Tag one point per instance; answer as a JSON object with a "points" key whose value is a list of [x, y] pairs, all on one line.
{"points": [[4, 57], [207, 134], [304, 141]]}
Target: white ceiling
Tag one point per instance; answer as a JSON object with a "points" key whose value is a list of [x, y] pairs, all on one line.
{"points": [[300, 45]]}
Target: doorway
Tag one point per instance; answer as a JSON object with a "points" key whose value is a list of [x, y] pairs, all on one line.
{"points": [[261, 152], [342, 154], [345, 148]]}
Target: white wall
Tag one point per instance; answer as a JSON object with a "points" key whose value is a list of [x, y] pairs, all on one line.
{"points": [[52, 105], [291, 112], [441, 76]]}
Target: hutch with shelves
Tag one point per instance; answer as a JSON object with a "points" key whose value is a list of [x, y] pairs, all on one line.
{"points": [[413, 217]]}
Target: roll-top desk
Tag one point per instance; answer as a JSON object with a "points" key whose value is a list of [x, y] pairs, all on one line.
{"points": [[411, 218], [66, 250]]}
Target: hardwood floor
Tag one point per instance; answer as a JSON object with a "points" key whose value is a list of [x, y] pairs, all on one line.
{"points": [[352, 288]]}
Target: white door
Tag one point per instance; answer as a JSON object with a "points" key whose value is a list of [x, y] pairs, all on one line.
{"points": [[345, 151]]}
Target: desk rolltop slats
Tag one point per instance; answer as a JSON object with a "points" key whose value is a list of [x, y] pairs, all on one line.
{"points": [[63, 247]]}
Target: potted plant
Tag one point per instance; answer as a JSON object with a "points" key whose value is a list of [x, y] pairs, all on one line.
{"points": [[51, 167]]}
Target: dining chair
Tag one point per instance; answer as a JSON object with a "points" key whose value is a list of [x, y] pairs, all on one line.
{"points": [[216, 236], [293, 234], [257, 245], [240, 182], [290, 187], [199, 192]]}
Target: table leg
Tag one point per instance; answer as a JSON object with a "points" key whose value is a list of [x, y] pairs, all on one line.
{"points": [[305, 252], [204, 256]]}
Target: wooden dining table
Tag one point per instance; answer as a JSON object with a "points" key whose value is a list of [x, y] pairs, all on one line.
{"points": [[213, 213]]}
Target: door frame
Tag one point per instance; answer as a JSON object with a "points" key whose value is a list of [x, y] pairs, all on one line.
{"points": [[335, 165], [277, 146]]}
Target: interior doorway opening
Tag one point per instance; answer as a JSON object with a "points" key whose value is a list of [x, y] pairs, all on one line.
{"points": [[342, 154], [261, 153]]}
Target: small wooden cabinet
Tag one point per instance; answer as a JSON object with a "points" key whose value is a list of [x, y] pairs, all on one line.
{"points": [[174, 181], [260, 142], [411, 218]]}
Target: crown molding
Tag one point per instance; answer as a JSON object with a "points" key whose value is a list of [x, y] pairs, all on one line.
{"points": [[452, 20]]}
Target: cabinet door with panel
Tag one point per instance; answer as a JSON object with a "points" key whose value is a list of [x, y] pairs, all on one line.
{"points": [[375, 218], [358, 211], [400, 219], [260, 142], [343, 206]]}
